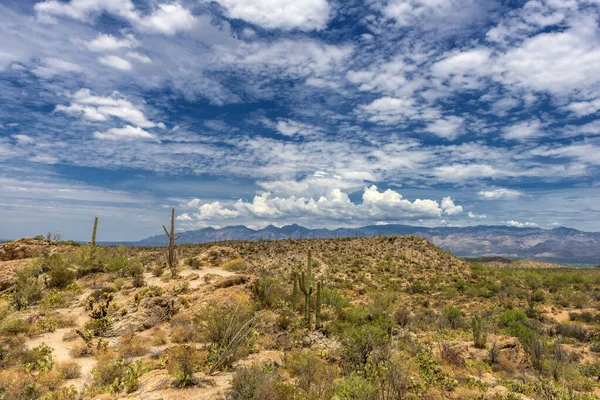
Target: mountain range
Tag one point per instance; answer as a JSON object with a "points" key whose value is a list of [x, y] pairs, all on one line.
{"points": [[560, 245]]}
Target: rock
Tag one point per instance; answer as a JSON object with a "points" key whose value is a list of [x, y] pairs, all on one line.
{"points": [[318, 341], [216, 256], [232, 281], [149, 313], [267, 357]]}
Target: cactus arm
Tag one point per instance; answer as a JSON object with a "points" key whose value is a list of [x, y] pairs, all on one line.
{"points": [[166, 231]]}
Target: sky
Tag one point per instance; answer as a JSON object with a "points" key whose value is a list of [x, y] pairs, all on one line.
{"points": [[324, 113]]}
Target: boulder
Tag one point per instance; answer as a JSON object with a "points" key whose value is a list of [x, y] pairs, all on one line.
{"points": [[150, 312]]}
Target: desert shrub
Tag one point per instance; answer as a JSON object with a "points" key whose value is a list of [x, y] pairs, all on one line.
{"points": [[432, 373], [268, 291], [359, 344], [229, 329], [117, 375], [58, 270], [585, 316], [416, 288], [11, 351], [68, 369], [355, 387], [313, 376], [122, 265], [192, 262], [27, 287], [333, 299], [157, 270], [183, 330], [90, 260], [572, 330], [79, 350], [452, 354], [509, 317], [13, 324], [150, 291], [452, 316], [258, 383], [181, 365], [235, 265], [402, 315], [54, 299], [133, 346]]}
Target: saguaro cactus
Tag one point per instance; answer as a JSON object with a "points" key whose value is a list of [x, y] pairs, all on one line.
{"points": [[295, 288], [306, 286], [172, 239], [94, 231], [479, 337], [318, 306]]}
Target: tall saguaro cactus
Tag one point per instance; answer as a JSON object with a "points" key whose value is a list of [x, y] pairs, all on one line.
{"points": [[306, 286], [94, 232], [318, 306], [172, 239]]}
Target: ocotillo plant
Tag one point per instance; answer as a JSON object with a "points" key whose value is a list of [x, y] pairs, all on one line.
{"points": [[306, 286], [318, 307], [172, 239], [94, 231]]}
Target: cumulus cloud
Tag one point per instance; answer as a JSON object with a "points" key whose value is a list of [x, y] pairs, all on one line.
{"points": [[388, 205], [127, 132], [280, 14], [518, 224], [167, 19], [98, 108], [500, 194], [476, 216], [523, 130], [449, 207]]}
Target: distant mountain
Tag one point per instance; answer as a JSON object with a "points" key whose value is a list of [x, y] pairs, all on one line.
{"points": [[561, 245]]}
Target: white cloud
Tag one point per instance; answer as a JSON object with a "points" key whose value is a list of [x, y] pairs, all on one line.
{"points": [[97, 108], [290, 127], [449, 207], [127, 132], [144, 59], [184, 217], [105, 42], [168, 19], [447, 128], [500, 194], [523, 130], [335, 205], [115, 62], [390, 110], [583, 108], [476, 216], [54, 66], [280, 14], [518, 224]]}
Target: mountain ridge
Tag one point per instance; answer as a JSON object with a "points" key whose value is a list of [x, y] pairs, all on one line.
{"points": [[561, 245]]}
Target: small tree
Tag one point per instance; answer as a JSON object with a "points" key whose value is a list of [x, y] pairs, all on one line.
{"points": [[453, 316]]}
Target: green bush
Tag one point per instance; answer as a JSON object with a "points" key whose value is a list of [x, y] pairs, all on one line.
{"points": [[355, 387], [256, 383], [452, 316], [27, 287], [90, 260], [359, 343], [150, 291], [58, 270], [13, 325], [182, 361], [122, 265], [314, 377]]}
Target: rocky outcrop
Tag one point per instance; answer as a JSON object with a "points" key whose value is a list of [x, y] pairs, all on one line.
{"points": [[149, 313], [216, 256], [25, 248]]}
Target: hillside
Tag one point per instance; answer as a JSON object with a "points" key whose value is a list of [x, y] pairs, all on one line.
{"points": [[559, 245], [392, 317]]}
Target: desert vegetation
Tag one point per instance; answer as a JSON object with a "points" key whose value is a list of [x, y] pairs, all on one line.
{"points": [[349, 318]]}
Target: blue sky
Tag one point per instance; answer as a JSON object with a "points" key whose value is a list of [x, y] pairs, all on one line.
{"points": [[322, 113]]}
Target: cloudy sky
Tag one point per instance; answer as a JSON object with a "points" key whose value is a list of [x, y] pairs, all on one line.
{"points": [[325, 113]]}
